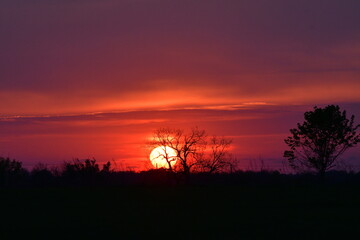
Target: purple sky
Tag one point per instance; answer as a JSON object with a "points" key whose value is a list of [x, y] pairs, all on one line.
{"points": [[150, 57]]}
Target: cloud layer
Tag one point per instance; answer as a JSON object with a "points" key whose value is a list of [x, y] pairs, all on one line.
{"points": [[82, 56]]}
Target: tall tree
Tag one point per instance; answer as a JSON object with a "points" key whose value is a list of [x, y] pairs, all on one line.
{"points": [[321, 139]]}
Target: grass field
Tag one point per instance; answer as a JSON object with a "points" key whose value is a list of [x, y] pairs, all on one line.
{"points": [[211, 212]]}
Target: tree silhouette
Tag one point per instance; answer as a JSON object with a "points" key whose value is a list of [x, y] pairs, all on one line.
{"points": [[185, 144], [194, 149], [215, 158], [324, 136], [161, 139]]}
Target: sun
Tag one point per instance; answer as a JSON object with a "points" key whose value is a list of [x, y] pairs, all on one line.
{"points": [[159, 155]]}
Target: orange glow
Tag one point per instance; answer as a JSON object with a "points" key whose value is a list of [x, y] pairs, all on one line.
{"points": [[160, 157]]}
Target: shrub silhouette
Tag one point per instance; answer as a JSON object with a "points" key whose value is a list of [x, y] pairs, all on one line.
{"points": [[88, 167], [41, 175], [324, 136], [11, 171], [85, 171]]}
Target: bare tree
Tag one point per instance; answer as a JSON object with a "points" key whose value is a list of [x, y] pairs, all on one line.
{"points": [[216, 156], [232, 163], [185, 144], [194, 150], [164, 138]]}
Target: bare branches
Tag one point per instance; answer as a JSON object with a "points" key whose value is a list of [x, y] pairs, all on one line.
{"points": [[217, 157], [195, 151]]}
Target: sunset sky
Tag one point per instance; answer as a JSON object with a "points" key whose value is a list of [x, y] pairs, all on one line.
{"points": [[91, 78]]}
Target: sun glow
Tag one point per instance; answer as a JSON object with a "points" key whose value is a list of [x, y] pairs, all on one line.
{"points": [[161, 156]]}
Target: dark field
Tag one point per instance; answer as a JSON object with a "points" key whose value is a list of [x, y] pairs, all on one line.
{"points": [[182, 212]]}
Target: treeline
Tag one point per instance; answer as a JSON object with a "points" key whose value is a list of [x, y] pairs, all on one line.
{"points": [[193, 157], [88, 172]]}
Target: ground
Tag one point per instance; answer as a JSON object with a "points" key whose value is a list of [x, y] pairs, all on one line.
{"points": [[186, 212]]}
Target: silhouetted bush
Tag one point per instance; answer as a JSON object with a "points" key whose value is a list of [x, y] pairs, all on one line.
{"points": [[41, 175], [85, 171], [11, 172]]}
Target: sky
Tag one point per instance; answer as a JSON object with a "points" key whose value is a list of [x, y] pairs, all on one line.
{"points": [[91, 78]]}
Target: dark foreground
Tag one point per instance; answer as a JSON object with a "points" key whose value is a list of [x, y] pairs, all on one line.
{"points": [[182, 212]]}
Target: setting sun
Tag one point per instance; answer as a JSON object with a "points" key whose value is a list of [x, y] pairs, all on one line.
{"points": [[162, 156]]}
